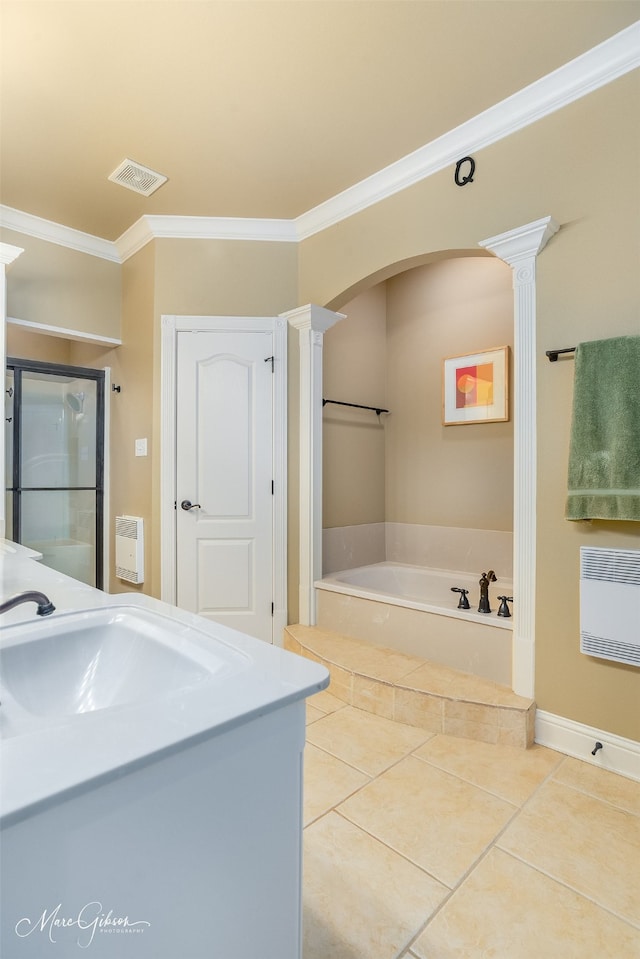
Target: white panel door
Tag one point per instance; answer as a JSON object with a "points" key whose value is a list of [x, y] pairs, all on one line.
{"points": [[224, 473]]}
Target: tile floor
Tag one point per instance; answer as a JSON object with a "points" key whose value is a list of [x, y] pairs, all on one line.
{"points": [[426, 846]]}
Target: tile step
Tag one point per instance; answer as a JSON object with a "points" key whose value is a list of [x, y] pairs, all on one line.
{"points": [[414, 691]]}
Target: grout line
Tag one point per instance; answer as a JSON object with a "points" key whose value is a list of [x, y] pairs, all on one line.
{"points": [[483, 855], [591, 795], [485, 789], [574, 889]]}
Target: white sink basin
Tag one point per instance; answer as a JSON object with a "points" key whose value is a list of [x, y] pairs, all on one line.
{"points": [[97, 659]]}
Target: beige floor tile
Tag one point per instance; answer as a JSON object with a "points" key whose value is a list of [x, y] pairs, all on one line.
{"points": [[506, 771], [327, 781], [313, 714], [361, 899], [507, 910], [617, 790], [433, 818], [370, 743], [326, 701], [584, 842]]}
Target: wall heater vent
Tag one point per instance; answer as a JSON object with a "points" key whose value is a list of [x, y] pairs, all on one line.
{"points": [[610, 604], [130, 548]]}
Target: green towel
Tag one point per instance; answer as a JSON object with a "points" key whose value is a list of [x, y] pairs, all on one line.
{"points": [[604, 458]]}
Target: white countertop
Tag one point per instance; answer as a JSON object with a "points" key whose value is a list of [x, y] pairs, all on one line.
{"points": [[50, 757]]}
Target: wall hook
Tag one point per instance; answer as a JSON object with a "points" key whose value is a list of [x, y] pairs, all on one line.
{"points": [[596, 748], [114, 388]]}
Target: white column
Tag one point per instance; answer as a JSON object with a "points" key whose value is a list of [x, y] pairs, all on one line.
{"points": [[519, 248], [8, 254], [311, 322]]}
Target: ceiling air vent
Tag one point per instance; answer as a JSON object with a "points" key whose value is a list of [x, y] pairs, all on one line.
{"points": [[138, 178]]}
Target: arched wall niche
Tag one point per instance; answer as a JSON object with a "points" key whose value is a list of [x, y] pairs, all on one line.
{"points": [[395, 269], [407, 467]]}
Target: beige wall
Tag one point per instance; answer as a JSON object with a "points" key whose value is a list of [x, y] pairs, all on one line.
{"points": [[408, 467], [36, 346], [574, 165], [354, 370], [131, 411], [56, 286], [445, 475]]}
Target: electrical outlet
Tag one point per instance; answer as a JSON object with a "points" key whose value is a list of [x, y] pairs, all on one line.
{"points": [[141, 447]]}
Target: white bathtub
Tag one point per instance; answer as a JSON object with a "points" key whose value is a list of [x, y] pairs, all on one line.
{"points": [[412, 609]]}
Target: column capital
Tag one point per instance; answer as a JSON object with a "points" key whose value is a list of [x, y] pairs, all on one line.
{"points": [[9, 253], [522, 243], [312, 317]]}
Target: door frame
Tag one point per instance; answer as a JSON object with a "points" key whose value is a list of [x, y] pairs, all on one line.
{"points": [[171, 325]]}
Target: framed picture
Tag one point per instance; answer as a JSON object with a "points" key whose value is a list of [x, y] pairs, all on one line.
{"points": [[475, 387]]}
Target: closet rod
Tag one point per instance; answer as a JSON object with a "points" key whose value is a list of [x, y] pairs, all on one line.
{"points": [[554, 354], [358, 406]]}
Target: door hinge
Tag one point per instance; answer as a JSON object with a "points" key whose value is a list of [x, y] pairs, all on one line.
{"points": [[271, 359], [175, 504], [272, 609], [273, 487]]}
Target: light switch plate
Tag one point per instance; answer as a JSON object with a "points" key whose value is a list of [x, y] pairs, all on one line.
{"points": [[141, 447]]}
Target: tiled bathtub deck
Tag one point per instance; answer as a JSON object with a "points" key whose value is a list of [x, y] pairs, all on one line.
{"points": [[414, 692]]}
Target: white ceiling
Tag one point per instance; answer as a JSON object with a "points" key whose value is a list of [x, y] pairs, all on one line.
{"points": [[254, 108]]}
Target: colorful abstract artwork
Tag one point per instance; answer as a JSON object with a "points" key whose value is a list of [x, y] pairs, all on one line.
{"points": [[475, 387]]}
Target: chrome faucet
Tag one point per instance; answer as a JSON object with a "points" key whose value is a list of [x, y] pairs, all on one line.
{"points": [[487, 578], [45, 606]]}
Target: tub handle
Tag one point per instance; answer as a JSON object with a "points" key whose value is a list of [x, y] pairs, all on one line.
{"points": [[464, 602], [504, 609]]}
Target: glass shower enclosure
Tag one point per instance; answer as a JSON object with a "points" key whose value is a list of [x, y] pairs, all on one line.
{"points": [[55, 465]]}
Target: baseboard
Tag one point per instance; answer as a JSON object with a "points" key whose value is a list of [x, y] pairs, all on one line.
{"points": [[618, 755]]}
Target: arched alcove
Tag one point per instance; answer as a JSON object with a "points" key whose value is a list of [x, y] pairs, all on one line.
{"points": [[518, 248]]}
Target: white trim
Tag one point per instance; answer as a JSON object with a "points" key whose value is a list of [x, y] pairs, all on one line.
{"points": [[618, 755], [168, 427], [49, 330], [106, 484], [312, 322], [8, 253], [57, 233], [578, 78], [519, 248], [171, 325], [203, 228], [134, 239]]}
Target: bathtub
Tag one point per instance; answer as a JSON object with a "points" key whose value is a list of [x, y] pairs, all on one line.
{"points": [[411, 609]]}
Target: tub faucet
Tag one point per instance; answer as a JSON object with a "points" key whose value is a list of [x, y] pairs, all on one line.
{"points": [[45, 606], [487, 578]]}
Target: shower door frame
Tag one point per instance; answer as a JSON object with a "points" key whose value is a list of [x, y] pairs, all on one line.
{"points": [[101, 378]]}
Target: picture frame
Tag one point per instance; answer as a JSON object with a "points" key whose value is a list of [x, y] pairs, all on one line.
{"points": [[475, 387]]}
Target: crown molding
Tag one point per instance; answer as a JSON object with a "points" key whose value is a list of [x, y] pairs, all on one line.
{"points": [[56, 233], [579, 77], [591, 70], [155, 227]]}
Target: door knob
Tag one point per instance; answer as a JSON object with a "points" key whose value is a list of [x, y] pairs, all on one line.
{"points": [[187, 505]]}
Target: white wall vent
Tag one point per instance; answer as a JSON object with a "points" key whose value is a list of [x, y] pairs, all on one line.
{"points": [[138, 178], [610, 604], [130, 548]]}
